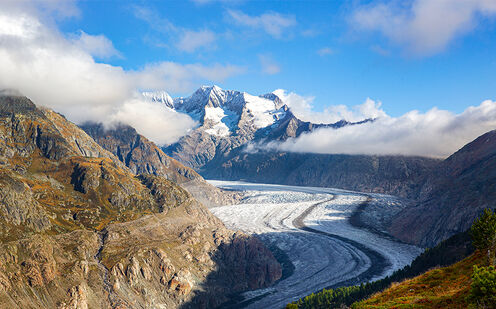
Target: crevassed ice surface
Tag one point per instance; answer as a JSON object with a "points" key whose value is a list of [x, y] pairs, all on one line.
{"points": [[320, 261]]}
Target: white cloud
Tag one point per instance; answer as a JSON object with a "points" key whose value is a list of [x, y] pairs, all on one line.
{"points": [[273, 23], [302, 107], [269, 66], [159, 124], [192, 40], [325, 51], [57, 72], [96, 45], [436, 133], [176, 77], [423, 27]]}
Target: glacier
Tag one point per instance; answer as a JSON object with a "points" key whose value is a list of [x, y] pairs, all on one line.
{"points": [[311, 225]]}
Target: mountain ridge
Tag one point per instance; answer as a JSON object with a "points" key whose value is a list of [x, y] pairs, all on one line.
{"points": [[229, 120]]}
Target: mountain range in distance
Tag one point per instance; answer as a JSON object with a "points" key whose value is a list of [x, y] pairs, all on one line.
{"points": [[445, 195]]}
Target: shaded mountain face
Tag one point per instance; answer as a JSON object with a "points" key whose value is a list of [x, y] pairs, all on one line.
{"points": [[78, 229], [452, 196], [142, 156], [380, 174], [229, 120]]}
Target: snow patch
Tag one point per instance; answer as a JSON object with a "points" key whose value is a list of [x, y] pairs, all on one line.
{"points": [[263, 111], [221, 121]]}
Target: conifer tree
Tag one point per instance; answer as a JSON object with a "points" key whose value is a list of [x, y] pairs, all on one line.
{"points": [[483, 233]]}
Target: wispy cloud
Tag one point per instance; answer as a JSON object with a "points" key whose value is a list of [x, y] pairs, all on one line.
{"points": [[422, 27], [275, 24], [61, 73], [269, 66], [325, 51], [436, 133], [183, 39], [192, 40], [177, 77]]}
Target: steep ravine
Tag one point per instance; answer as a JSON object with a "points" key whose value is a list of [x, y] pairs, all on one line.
{"points": [[107, 286]]}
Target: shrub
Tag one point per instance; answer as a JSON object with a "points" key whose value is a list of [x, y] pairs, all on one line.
{"points": [[483, 287]]}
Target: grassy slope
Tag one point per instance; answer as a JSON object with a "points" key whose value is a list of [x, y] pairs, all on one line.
{"points": [[444, 287]]}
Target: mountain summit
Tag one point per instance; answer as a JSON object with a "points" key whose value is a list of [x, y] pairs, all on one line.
{"points": [[229, 120]]}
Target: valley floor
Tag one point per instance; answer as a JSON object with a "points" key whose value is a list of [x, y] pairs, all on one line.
{"points": [[311, 225]]}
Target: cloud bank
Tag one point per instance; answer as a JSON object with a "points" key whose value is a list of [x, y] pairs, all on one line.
{"points": [[436, 133], [302, 107], [61, 73], [422, 27], [143, 114]]}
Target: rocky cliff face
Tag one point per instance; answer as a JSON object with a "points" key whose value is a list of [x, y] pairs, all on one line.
{"points": [[452, 196], [79, 230], [142, 156]]}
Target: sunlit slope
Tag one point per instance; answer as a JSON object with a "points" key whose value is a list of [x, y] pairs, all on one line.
{"points": [[445, 287]]}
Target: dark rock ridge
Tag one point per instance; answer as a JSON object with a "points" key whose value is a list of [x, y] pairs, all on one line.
{"points": [[144, 157], [78, 229], [452, 195]]}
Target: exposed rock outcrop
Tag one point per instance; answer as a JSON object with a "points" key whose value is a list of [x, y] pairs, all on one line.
{"points": [[144, 157]]}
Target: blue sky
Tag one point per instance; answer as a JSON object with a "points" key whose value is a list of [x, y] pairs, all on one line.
{"points": [[430, 63], [353, 63]]}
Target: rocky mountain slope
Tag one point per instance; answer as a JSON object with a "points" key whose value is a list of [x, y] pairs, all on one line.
{"points": [[79, 230], [142, 156], [381, 174], [452, 195]]}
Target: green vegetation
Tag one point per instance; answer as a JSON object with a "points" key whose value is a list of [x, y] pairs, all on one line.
{"points": [[446, 287], [483, 233], [447, 252], [483, 287]]}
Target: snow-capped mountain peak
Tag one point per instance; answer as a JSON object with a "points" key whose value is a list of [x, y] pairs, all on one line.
{"points": [[159, 97], [222, 112]]}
